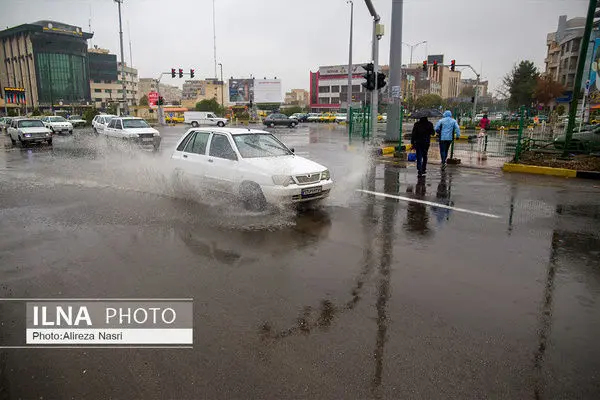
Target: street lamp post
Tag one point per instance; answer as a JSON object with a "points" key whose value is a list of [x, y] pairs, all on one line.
{"points": [[222, 84], [412, 47], [349, 99], [125, 111]]}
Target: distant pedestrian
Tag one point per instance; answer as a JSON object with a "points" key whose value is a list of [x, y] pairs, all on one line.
{"points": [[484, 125], [447, 128], [420, 139]]}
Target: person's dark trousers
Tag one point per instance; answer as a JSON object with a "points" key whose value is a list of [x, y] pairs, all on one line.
{"points": [[444, 146], [421, 149]]}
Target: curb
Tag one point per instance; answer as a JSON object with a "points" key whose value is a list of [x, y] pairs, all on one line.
{"points": [[533, 169]]}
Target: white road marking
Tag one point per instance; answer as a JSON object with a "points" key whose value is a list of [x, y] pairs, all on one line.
{"points": [[429, 203]]}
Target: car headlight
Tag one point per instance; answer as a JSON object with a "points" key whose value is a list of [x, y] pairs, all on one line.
{"points": [[282, 180], [325, 176]]}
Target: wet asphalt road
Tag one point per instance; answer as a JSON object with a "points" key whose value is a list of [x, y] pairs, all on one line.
{"points": [[364, 297]]}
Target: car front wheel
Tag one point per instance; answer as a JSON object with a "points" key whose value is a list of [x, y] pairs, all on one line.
{"points": [[49, 142], [293, 125], [220, 124], [252, 196], [13, 141], [194, 124]]}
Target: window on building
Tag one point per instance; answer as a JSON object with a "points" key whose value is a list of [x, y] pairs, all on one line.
{"points": [[324, 89], [62, 76], [97, 90], [97, 81], [335, 100], [575, 45], [97, 99], [335, 89], [107, 91], [323, 100]]}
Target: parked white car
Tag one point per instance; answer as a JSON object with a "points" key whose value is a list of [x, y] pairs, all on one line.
{"points": [[58, 124], [313, 117], [100, 122], [4, 123], [76, 120], [251, 164], [197, 118], [29, 130], [134, 130], [340, 118]]}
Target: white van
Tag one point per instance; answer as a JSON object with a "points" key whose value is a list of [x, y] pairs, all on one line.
{"points": [[196, 118]]}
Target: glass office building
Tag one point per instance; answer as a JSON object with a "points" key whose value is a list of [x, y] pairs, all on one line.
{"points": [[49, 60]]}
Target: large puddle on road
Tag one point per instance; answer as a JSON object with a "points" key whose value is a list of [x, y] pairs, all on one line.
{"points": [[94, 162]]}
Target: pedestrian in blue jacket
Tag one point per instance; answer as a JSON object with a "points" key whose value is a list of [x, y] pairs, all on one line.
{"points": [[447, 128]]}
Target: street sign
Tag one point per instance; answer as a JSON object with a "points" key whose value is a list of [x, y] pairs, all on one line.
{"points": [[171, 115], [152, 98], [396, 92]]}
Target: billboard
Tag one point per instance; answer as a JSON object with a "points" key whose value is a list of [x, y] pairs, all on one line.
{"points": [[241, 91], [152, 99], [594, 82], [267, 91]]}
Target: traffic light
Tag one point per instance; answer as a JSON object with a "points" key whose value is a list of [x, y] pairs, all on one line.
{"points": [[425, 65], [380, 80], [452, 65], [191, 73], [173, 73], [161, 101], [369, 82], [180, 73], [435, 65], [472, 99]]}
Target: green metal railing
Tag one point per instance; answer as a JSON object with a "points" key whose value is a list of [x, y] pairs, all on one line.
{"points": [[359, 123]]}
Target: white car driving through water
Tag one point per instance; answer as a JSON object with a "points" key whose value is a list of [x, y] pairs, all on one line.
{"points": [[251, 164], [58, 124]]}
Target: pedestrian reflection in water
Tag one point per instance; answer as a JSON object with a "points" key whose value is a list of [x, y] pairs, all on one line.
{"points": [[443, 194], [417, 215]]}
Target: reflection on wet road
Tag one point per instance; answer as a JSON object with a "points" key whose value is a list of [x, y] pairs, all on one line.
{"points": [[369, 296]]}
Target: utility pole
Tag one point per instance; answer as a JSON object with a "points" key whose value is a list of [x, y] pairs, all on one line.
{"points": [[377, 33], [579, 75], [412, 46], [349, 99], [222, 84], [125, 108], [476, 95], [395, 80], [215, 38]]}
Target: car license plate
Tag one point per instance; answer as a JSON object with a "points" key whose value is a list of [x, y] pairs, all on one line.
{"points": [[147, 139], [313, 190]]}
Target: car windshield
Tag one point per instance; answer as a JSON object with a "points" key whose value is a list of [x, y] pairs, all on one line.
{"points": [[57, 119], [135, 123], [30, 123], [255, 145], [75, 117]]}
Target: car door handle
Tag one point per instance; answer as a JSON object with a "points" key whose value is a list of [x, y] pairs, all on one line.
{"points": [[210, 160], [185, 156]]}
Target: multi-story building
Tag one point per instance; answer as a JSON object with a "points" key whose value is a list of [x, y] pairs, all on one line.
{"points": [[297, 97], [483, 86], [171, 94], [563, 50], [198, 90], [105, 80], [48, 59], [131, 83], [329, 87], [443, 82]]}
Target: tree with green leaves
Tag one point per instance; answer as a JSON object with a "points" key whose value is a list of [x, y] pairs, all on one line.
{"points": [[519, 84], [144, 100], [209, 105], [429, 101]]}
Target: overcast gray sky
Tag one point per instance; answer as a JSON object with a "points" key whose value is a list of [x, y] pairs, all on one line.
{"points": [[288, 38]]}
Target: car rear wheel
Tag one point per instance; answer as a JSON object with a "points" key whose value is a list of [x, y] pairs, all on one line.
{"points": [[194, 124], [220, 124], [252, 196], [271, 125], [292, 125], [49, 142]]}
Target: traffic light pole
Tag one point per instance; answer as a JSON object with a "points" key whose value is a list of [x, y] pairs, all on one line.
{"points": [[394, 120], [476, 94], [374, 93]]}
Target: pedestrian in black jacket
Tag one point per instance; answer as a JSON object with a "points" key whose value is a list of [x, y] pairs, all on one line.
{"points": [[421, 137]]}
